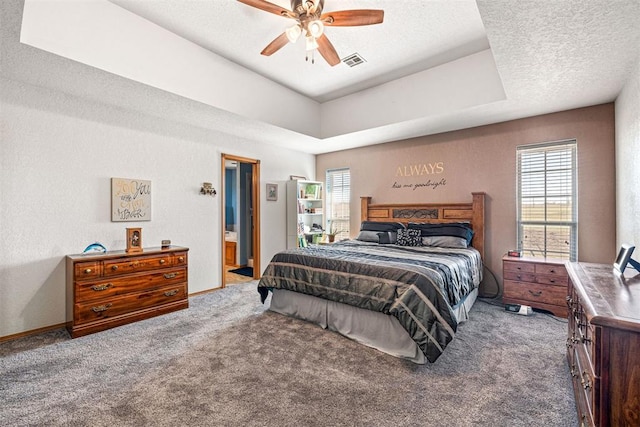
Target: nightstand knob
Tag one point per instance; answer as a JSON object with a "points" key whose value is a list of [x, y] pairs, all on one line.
{"points": [[181, 259], [552, 271], [88, 271], [114, 267], [161, 261]]}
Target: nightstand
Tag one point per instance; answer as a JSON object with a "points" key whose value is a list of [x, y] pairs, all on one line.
{"points": [[537, 282]]}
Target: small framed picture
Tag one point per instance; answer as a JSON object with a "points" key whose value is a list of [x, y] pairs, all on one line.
{"points": [[134, 240], [272, 192]]}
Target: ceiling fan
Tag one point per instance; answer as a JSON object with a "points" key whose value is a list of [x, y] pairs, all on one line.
{"points": [[310, 22]]}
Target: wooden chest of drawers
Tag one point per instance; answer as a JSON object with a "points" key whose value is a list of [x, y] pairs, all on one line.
{"points": [[539, 283], [114, 288], [603, 344]]}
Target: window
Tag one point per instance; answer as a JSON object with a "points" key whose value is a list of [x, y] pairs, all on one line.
{"points": [[547, 205], [338, 198]]}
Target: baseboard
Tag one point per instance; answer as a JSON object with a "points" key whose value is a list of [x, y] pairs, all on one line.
{"points": [[32, 332]]}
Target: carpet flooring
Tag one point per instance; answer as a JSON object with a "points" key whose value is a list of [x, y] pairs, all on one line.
{"points": [[227, 362]]}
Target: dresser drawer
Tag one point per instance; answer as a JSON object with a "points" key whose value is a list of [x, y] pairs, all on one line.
{"points": [[180, 259], [119, 305], [87, 270], [535, 293], [123, 266], [106, 288]]}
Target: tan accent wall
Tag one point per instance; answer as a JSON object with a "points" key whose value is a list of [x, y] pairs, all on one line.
{"points": [[483, 159]]}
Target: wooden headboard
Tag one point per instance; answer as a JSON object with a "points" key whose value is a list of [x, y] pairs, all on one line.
{"points": [[431, 212]]}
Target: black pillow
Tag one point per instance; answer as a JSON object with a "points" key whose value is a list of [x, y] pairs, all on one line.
{"points": [[380, 226], [408, 237], [456, 229]]}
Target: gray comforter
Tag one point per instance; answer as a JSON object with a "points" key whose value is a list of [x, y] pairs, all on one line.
{"points": [[417, 285]]}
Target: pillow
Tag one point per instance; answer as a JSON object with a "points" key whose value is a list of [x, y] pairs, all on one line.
{"points": [[382, 237], [407, 237], [455, 229], [381, 226], [368, 236], [444, 242], [387, 237]]}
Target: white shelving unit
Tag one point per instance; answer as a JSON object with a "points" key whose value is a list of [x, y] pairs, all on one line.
{"points": [[305, 209]]}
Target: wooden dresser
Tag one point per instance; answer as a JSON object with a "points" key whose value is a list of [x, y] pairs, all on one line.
{"points": [[114, 288], [537, 282], [603, 347]]}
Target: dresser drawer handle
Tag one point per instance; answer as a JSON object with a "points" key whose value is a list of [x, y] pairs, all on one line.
{"points": [[552, 271], [170, 275], [586, 384], [552, 281], [162, 261], [88, 271], [101, 287], [536, 293], [101, 308], [114, 267], [181, 259], [170, 293]]}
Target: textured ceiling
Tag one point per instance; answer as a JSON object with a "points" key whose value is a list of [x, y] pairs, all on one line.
{"points": [[550, 56], [414, 36]]}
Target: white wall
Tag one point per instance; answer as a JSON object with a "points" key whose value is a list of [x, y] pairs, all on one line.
{"points": [[58, 153], [627, 161]]}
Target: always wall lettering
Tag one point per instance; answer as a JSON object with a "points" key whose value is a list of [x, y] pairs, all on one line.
{"points": [[420, 175]]}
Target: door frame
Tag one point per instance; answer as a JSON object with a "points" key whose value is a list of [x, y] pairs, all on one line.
{"points": [[255, 201]]}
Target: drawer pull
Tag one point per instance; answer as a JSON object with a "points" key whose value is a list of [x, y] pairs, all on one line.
{"points": [[162, 261], [101, 287], [181, 259], [536, 293], [101, 308], [87, 271], [170, 275], [170, 293], [552, 281], [585, 383], [114, 267], [552, 271]]}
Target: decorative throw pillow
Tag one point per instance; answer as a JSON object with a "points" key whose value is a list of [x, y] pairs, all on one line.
{"points": [[409, 237]]}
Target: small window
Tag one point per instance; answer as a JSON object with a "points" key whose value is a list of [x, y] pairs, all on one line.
{"points": [[547, 208], [338, 198]]}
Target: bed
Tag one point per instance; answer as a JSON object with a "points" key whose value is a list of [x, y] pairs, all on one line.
{"points": [[392, 294]]}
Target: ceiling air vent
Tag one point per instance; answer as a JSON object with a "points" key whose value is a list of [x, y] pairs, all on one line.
{"points": [[353, 60]]}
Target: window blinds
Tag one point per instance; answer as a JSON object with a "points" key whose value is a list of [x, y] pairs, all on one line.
{"points": [[546, 200], [338, 199]]}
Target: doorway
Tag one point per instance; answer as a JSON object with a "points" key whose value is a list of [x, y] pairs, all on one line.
{"points": [[240, 219]]}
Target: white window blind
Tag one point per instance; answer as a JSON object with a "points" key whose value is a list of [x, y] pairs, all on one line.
{"points": [[338, 195], [547, 208]]}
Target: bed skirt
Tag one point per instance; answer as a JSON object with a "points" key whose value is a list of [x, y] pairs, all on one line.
{"points": [[371, 328]]}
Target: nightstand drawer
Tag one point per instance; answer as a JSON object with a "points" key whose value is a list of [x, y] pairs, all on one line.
{"points": [[535, 293], [519, 276], [551, 270], [553, 280], [516, 266]]}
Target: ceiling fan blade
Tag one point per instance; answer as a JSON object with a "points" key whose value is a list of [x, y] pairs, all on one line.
{"points": [[327, 50], [349, 18], [275, 45], [269, 7]]}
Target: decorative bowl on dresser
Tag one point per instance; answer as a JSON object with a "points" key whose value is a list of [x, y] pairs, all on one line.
{"points": [[114, 288], [603, 346], [537, 282]]}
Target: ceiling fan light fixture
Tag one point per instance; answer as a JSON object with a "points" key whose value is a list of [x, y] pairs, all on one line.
{"points": [[315, 28], [311, 43], [293, 33]]}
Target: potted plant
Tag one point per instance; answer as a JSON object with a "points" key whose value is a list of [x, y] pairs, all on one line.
{"points": [[333, 230]]}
